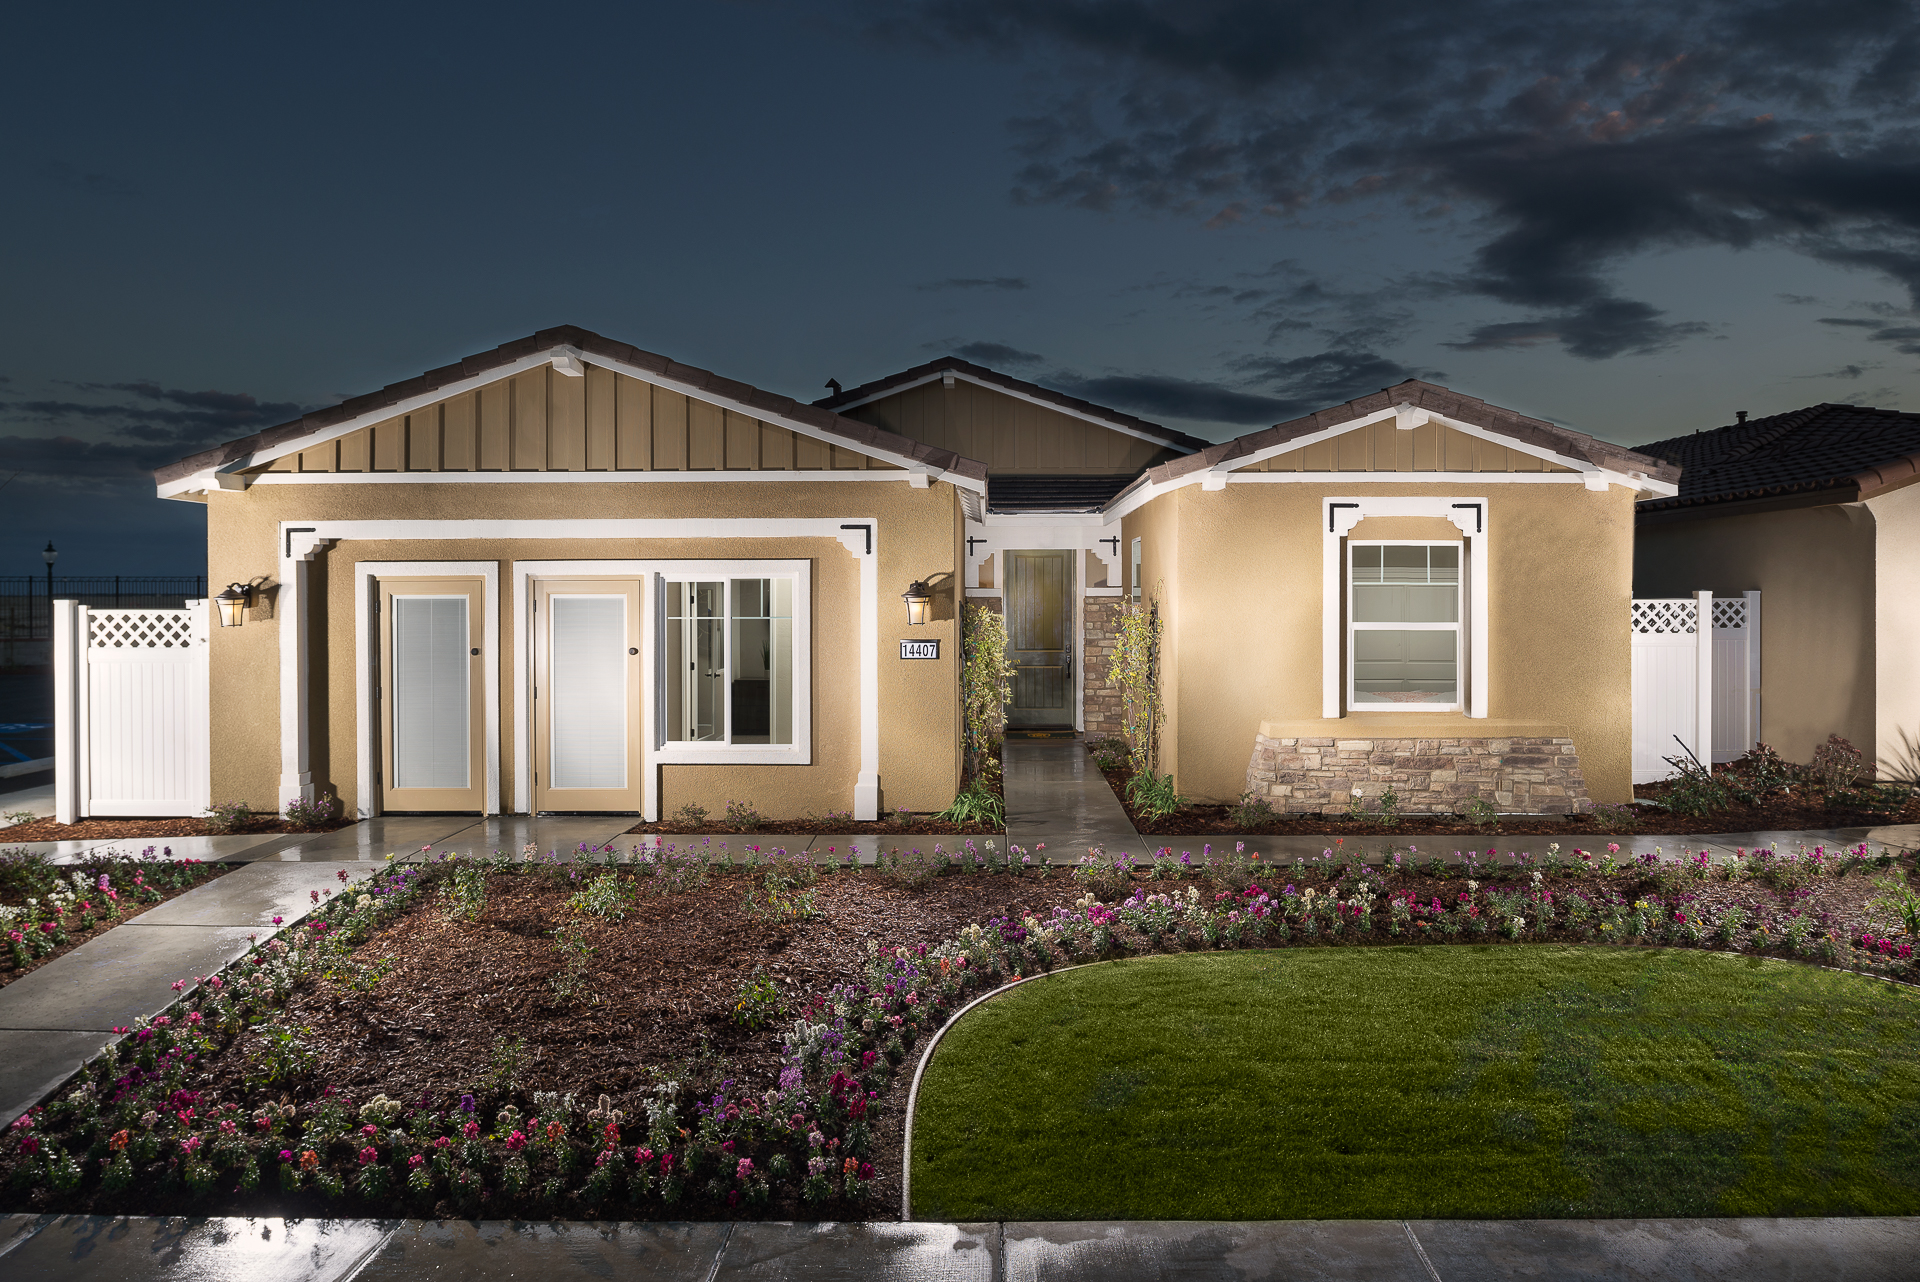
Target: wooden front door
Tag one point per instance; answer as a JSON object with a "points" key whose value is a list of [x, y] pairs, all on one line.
{"points": [[586, 694], [1040, 637], [432, 699]]}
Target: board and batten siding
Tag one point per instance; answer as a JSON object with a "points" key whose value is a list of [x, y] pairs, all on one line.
{"points": [[1383, 447], [544, 421], [1007, 433]]}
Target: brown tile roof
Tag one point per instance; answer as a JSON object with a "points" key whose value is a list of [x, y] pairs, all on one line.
{"points": [[1851, 450], [856, 433], [1427, 396], [993, 377]]}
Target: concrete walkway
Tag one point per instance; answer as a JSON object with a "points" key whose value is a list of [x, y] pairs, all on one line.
{"points": [[1056, 795], [54, 1019], [62, 1249]]}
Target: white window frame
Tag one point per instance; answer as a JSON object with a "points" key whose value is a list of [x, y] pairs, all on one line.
{"points": [[1133, 572], [670, 752], [1458, 627], [1472, 515]]}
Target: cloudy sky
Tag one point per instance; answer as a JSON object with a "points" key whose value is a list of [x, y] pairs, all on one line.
{"points": [[1631, 218]]}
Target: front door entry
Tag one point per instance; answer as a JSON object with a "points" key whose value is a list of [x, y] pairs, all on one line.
{"points": [[1040, 637], [586, 694], [431, 694]]}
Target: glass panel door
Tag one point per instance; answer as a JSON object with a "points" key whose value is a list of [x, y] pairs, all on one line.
{"points": [[430, 694], [587, 694]]}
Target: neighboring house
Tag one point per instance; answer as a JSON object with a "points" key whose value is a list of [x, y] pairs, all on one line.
{"points": [[572, 575], [1817, 509]]}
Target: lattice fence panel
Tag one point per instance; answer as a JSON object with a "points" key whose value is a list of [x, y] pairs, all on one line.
{"points": [[1666, 617], [1729, 612], [145, 629]]}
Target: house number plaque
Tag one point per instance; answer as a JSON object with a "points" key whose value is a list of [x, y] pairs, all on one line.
{"points": [[919, 649]]}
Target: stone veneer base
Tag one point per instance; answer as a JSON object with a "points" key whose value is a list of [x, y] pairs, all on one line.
{"points": [[1429, 776]]}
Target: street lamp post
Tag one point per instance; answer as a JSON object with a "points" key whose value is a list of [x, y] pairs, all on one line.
{"points": [[49, 556]]}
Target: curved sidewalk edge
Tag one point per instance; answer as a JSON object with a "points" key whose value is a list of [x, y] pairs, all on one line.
{"points": [[59, 1249]]}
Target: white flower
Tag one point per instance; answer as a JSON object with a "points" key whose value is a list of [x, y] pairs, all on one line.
{"points": [[1473, 885], [365, 901]]}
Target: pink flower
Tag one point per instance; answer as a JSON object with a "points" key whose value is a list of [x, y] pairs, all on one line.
{"points": [[471, 1130], [516, 1141], [443, 1142], [179, 984], [193, 1017], [641, 1156], [369, 1155], [190, 1145], [369, 1130], [743, 1169], [278, 919], [415, 1162]]}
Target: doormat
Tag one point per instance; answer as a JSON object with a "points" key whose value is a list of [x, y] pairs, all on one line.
{"points": [[1039, 734]]}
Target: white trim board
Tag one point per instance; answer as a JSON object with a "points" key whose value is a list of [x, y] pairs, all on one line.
{"points": [[567, 478], [566, 358], [1028, 397], [366, 733]]}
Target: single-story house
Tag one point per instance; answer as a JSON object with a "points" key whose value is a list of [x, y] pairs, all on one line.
{"points": [[1817, 509], [572, 575]]}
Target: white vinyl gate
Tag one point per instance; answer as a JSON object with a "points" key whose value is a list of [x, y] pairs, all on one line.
{"points": [[1688, 679], [130, 711]]}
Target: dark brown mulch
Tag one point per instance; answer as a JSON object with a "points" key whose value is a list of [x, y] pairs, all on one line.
{"points": [[154, 829], [900, 824], [1781, 814], [666, 978], [9, 972]]}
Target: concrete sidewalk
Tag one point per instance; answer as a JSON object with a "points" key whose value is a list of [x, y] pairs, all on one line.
{"points": [[54, 1019], [61, 1249]]}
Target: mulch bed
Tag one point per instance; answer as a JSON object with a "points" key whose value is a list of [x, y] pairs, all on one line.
{"points": [[918, 826], [1777, 814], [666, 979], [153, 829], [9, 972]]}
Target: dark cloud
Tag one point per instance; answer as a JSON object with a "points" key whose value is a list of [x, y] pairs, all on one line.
{"points": [[977, 282], [1565, 140], [126, 431], [1845, 371], [1303, 384], [1797, 299], [997, 354], [1902, 338], [1159, 396]]}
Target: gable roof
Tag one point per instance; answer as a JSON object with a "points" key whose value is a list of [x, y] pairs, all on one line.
{"points": [[1536, 434], [559, 342], [906, 378], [1832, 453]]}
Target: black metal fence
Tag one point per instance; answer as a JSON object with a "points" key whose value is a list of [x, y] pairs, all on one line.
{"points": [[26, 612]]}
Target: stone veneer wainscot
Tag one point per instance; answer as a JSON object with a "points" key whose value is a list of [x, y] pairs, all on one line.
{"points": [[1520, 774]]}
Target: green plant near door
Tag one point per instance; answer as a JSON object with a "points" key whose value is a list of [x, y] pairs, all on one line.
{"points": [[1136, 672], [986, 684]]}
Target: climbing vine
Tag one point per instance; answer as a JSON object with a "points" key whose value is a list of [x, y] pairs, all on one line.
{"points": [[1136, 672], [986, 684]]}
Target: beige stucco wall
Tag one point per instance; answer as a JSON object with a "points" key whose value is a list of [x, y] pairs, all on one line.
{"points": [[918, 537], [1244, 631], [1896, 570], [1815, 570]]}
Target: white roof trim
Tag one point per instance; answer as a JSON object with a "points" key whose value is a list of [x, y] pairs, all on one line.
{"points": [[567, 478], [562, 356], [1028, 397]]}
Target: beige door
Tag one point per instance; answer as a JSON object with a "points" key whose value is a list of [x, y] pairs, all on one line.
{"points": [[1040, 638], [432, 701], [586, 694]]}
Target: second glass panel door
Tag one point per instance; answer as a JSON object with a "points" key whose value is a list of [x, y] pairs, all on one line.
{"points": [[587, 694]]}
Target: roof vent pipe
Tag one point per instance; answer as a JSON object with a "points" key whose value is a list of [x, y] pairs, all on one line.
{"points": [[1739, 416], [834, 384]]}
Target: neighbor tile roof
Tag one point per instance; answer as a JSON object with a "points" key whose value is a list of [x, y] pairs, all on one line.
{"points": [[1851, 450], [1021, 493], [1440, 400], [752, 398], [1073, 404]]}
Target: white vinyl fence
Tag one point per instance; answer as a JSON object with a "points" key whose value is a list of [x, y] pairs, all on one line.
{"points": [[1698, 684], [130, 711]]}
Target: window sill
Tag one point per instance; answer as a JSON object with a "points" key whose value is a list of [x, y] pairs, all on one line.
{"points": [[736, 754]]}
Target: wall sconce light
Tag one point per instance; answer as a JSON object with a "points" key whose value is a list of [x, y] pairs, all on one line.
{"points": [[229, 604], [919, 597]]}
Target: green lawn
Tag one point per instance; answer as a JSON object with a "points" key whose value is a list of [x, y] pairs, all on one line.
{"points": [[1426, 1083]]}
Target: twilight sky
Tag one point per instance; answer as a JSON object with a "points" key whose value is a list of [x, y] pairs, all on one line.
{"points": [[1631, 218]]}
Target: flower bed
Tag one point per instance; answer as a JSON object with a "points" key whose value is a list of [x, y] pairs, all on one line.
{"points": [[48, 909], [629, 1055], [162, 829]]}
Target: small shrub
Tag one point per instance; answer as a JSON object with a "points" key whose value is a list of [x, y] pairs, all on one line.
{"points": [[1109, 753], [504, 1060], [784, 900], [606, 897], [689, 817], [1154, 795], [573, 982], [13, 817], [1759, 772], [1608, 817], [1480, 812], [912, 870], [1251, 811], [306, 814], [1695, 789], [975, 804], [228, 816], [467, 891], [1390, 808], [279, 1054], [758, 1001], [1837, 764], [742, 817]]}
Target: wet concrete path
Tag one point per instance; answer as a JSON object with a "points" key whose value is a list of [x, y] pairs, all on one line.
{"points": [[60, 1249]]}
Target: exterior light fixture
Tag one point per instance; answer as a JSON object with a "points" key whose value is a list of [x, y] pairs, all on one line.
{"points": [[918, 597], [229, 604]]}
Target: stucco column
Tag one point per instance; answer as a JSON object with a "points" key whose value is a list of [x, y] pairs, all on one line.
{"points": [[866, 787], [296, 744]]}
